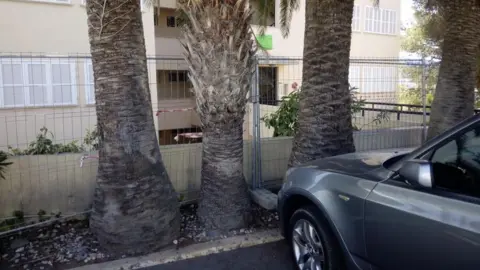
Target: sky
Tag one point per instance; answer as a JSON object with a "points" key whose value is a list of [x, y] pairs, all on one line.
{"points": [[406, 14], [406, 11]]}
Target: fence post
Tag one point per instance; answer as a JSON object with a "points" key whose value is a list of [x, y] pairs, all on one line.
{"points": [[257, 134], [256, 130], [253, 97], [424, 101]]}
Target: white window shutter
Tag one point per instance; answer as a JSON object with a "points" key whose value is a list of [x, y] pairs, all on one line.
{"points": [[89, 83], [12, 92]]}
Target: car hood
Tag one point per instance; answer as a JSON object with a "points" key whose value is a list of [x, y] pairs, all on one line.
{"points": [[358, 163]]}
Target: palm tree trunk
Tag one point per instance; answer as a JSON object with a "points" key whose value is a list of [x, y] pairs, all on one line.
{"points": [[324, 119], [135, 207], [218, 50], [454, 93], [224, 202]]}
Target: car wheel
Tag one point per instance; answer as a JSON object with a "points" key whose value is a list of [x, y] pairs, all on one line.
{"points": [[313, 245]]}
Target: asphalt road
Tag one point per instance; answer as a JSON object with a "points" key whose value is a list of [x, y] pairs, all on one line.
{"points": [[274, 256]]}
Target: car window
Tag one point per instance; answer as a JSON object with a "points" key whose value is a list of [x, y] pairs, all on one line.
{"points": [[456, 164]]}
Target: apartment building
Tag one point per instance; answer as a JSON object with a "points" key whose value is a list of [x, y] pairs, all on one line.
{"points": [[375, 36], [46, 77]]}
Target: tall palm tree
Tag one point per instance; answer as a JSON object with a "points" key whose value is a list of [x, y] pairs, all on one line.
{"points": [[219, 52], [135, 207], [454, 93], [324, 119]]}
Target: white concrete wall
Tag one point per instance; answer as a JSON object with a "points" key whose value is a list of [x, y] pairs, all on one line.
{"points": [[364, 45], [57, 183]]}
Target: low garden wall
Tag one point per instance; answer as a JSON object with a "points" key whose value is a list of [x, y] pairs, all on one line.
{"points": [[57, 183]]}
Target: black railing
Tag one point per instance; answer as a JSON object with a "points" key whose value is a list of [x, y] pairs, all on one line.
{"points": [[397, 108]]}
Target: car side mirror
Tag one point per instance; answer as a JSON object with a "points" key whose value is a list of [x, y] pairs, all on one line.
{"points": [[418, 173]]}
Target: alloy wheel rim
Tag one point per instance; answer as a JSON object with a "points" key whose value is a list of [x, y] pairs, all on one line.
{"points": [[307, 247]]}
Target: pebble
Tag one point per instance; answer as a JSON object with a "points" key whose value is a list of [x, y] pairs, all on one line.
{"points": [[74, 243]]}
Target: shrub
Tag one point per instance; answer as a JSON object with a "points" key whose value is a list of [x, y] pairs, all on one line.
{"points": [[91, 139], [284, 120], [43, 145]]}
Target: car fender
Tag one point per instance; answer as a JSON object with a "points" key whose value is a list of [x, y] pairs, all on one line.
{"points": [[340, 199]]}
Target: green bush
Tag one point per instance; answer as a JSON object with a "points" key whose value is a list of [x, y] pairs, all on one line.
{"points": [[284, 120], [91, 139], [43, 145]]}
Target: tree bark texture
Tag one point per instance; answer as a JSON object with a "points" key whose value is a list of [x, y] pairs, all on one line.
{"points": [[324, 119], [135, 207], [219, 51], [454, 94], [224, 203]]}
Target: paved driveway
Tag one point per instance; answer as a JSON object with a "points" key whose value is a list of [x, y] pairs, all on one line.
{"points": [[274, 256]]}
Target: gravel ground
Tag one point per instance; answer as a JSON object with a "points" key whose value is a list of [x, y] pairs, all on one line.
{"points": [[68, 244]]}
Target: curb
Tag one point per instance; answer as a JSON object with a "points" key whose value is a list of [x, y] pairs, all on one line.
{"points": [[188, 252]]}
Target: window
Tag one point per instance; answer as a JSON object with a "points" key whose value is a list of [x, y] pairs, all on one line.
{"points": [[356, 18], [380, 21], [268, 85], [174, 84], [89, 84], [178, 76], [171, 21], [36, 82], [379, 79], [354, 77], [84, 2], [456, 165]]}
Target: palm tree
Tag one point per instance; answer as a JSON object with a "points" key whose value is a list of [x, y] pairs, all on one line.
{"points": [[3, 164], [454, 93], [135, 206], [324, 119], [219, 52]]}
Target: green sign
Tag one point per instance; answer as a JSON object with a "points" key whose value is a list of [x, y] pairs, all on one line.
{"points": [[265, 41]]}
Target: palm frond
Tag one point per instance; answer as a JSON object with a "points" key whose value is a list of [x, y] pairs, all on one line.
{"points": [[218, 44], [264, 9], [3, 164], [287, 7]]}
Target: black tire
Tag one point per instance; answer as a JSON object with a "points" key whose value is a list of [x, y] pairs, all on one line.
{"points": [[332, 251]]}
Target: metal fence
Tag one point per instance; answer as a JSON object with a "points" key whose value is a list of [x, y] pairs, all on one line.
{"points": [[391, 100], [49, 100]]}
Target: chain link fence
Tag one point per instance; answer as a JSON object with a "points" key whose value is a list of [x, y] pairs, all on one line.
{"points": [[48, 125], [390, 108]]}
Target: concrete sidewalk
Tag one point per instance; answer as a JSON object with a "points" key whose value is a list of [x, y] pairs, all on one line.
{"points": [[189, 252], [274, 256]]}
